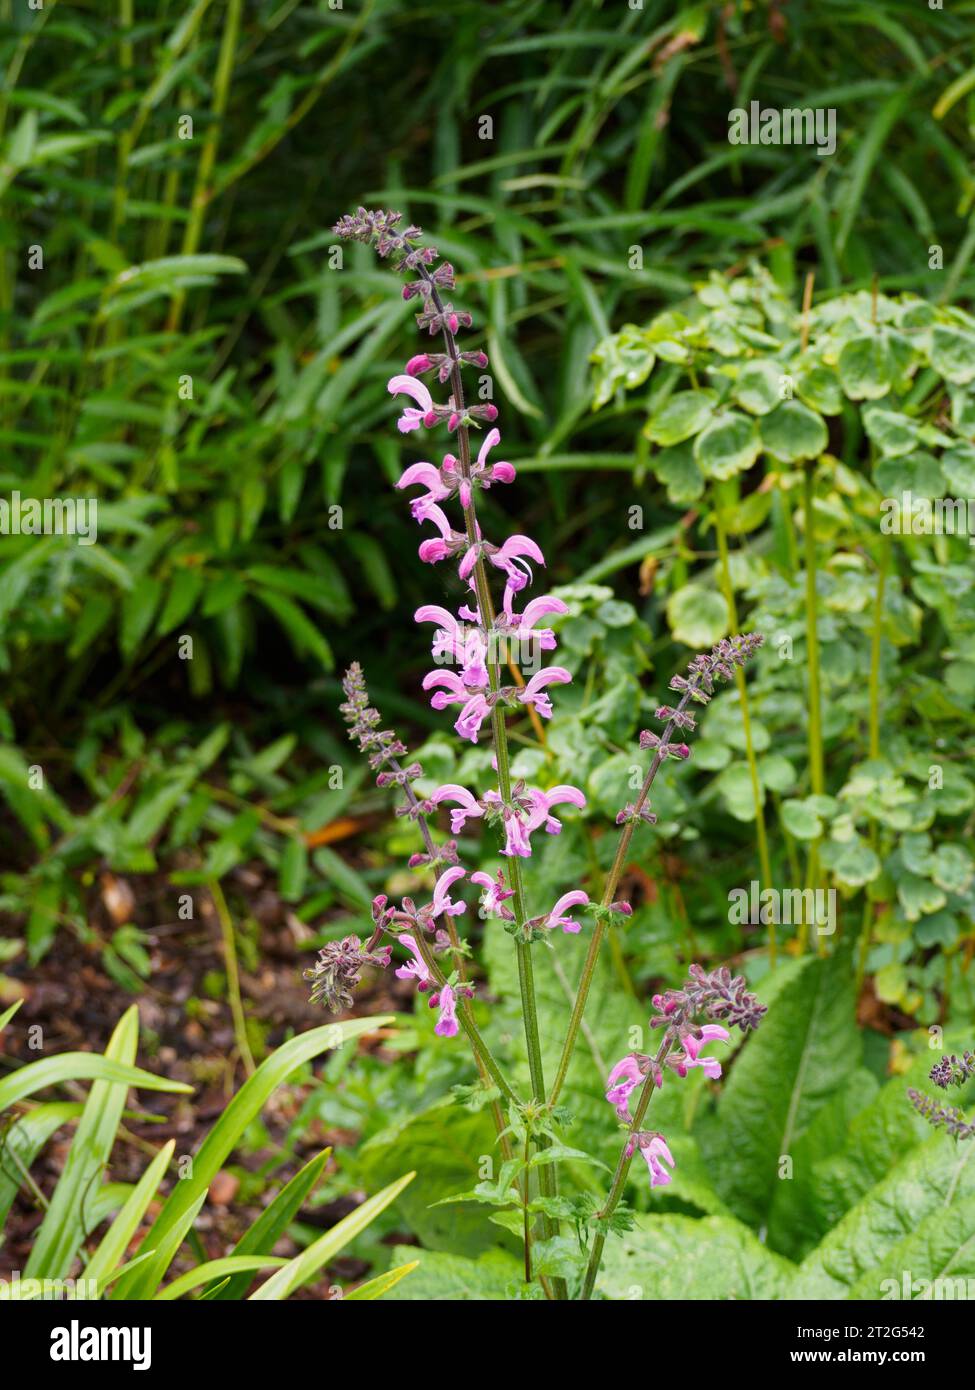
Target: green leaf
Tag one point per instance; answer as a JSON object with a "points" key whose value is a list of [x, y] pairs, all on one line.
{"points": [[675, 1258], [866, 367], [65, 1223], [306, 1265], [442, 1278], [681, 416], [376, 1288], [729, 445], [801, 820], [274, 1221], [111, 1250], [215, 1269], [226, 1133], [794, 432], [78, 1066], [22, 1142], [802, 1054], [697, 616], [759, 387], [953, 353], [864, 1247]]}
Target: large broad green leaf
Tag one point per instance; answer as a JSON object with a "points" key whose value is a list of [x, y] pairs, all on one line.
{"points": [[67, 1218], [446, 1145], [442, 1278], [803, 1053], [937, 1175], [679, 1258], [682, 415], [936, 1261], [794, 432], [306, 1265], [729, 445], [878, 1137], [796, 1223], [246, 1106]]}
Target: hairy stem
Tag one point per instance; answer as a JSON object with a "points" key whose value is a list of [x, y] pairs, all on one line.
{"points": [[609, 894], [760, 832], [816, 765], [623, 1167]]}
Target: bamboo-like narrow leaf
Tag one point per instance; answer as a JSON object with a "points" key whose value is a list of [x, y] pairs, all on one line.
{"points": [[273, 1221], [375, 1288], [304, 1266], [116, 1240], [79, 1066], [64, 1226], [213, 1269], [245, 1106], [150, 1274], [23, 1141]]}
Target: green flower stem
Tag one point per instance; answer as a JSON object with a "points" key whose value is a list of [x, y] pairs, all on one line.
{"points": [[816, 761], [609, 894], [622, 1169], [233, 974], [875, 637], [467, 1023], [761, 835], [866, 924]]}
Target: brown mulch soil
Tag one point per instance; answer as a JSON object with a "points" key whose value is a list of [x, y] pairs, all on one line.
{"points": [[187, 1035]]}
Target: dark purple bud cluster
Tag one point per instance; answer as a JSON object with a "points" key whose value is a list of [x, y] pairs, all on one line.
{"points": [[446, 854], [714, 994], [379, 228], [338, 968], [666, 750], [953, 1071], [947, 1116], [630, 814]]}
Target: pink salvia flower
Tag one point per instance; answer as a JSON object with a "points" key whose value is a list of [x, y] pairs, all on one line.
{"points": [[557, 917], [510, 557], [682, 1062], [422, 413], [625, 1077], [442, 902], [429, 476], [495, 894], [534, 692], [472, 716], [417, 967], [466, 806], [543, 803], [447, 1022], [654, 1149]]}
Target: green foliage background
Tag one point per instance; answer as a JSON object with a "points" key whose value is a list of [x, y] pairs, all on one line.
{"points": [[178, 339]]}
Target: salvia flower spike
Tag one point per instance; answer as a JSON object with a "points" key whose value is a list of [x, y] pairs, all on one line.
{"points": [[495, 612]]}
